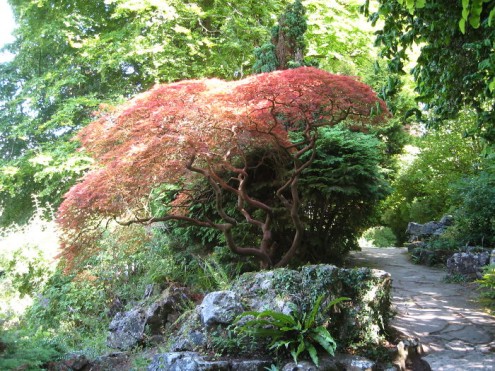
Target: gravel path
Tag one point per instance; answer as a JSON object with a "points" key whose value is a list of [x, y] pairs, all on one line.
{"points": [[455, 332]]}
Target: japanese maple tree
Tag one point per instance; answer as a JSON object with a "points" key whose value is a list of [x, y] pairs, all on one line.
{"points": [[239, 147]]}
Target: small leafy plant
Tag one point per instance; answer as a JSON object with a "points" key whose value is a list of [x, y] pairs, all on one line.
{"points": [[298, 332], [487, 284]]}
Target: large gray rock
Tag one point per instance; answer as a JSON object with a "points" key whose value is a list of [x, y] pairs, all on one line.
{"points": [[192, 361], [279, 290], [468, 264], [184, 361], [126, 330], [364, 318], [421, 232], [79, 362], [220, 307]]}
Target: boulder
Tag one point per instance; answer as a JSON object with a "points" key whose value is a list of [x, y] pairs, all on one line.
{"points": [[468, 264], [192, 361], [431, 228], [362, 319], [73, 362], [447, 220], [178, 361], [414, 229], [279, 290], [126, 330], [79, 362], [190, 335], [112, 361], [365, 317], [420, 232], [220, 307], [351, 362], [166, 309]]}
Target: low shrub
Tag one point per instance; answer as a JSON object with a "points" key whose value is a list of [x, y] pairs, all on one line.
{"points": [[23, 350], [487, 286]]}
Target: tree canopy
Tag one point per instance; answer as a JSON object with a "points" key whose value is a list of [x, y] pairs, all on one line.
{"points": [[72, 56], [211, 138], [456, 64]]}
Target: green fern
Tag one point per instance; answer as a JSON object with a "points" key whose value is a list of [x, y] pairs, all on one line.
{"points": [[297, 332]]}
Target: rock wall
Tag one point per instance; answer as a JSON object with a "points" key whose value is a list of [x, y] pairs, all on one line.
{"points": [[208, 328], [469, 264], [363, 319], [467, 261]]}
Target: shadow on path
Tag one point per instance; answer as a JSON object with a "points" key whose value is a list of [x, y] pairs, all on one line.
{"points": [[446, 318]]}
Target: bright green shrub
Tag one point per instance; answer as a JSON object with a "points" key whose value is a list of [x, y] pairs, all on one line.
{"points": [[421, 192], [487, 284], [340, 192], [474, 201], [24, 350]]}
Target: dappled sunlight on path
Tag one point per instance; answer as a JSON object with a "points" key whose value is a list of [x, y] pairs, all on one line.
{"points": [[452, 326]]}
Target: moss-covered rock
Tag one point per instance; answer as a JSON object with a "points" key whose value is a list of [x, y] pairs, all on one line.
{"points": [[362, 320]]}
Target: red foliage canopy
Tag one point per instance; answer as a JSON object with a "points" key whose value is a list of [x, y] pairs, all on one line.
{"points": [[181, 132]]}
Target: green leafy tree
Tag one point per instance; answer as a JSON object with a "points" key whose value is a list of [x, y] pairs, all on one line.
{"points": [[456, 64], [473, 201], [340, 38], [334, 35], [73, 56], [422, 191]]}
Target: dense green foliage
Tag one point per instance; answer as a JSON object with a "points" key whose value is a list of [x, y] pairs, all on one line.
{"points": [[488, 286], [422, 191], [70, 57], [341, 190], [379, 237], [473, 200], [21, 349], [439, 28]]}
